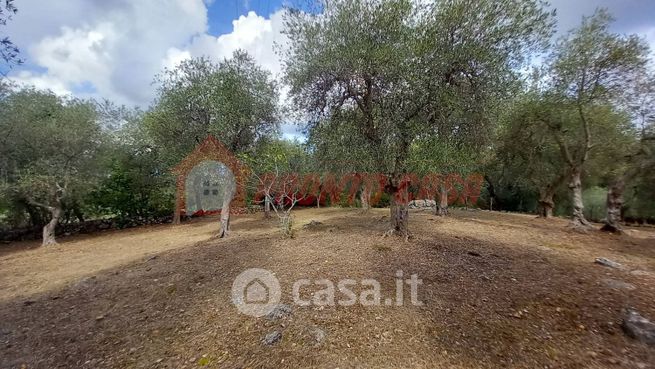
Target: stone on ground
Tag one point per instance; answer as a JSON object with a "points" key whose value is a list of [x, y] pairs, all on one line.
{"points": [[317, 334], [618, 285], [608, 263], [272, 338], [279, 311], [638, 327]]}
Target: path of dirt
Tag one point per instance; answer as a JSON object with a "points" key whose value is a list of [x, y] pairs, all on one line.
{"points": [[499, 290]]}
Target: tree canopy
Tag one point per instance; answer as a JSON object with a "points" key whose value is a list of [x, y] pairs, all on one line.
{"points": [[392, 93], [235, 100], [407, 70]]}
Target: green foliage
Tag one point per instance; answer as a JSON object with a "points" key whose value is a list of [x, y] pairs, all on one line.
{"points": [[589, 72], [384, 202], [388, 86], [594, 199], [337, 147], [133, 190], [235, 100], [528, 152], [374, 76], [50, 147], [525, 148], [640, 197], [277, 155], [434, 155], [136, 184], [593, 64]]}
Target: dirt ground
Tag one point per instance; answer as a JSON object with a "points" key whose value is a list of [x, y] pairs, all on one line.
{"points": [[499, 290]]}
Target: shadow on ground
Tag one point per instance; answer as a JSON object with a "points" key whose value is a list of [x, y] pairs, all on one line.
{"points": [[486, 304]]}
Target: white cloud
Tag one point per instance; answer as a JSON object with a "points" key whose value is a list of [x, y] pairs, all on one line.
{"points": [[253, 33], [115, 47], [174, 57], [77, 56], [43, 82]]}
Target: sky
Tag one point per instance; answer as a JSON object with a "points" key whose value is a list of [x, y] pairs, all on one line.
{"points": [[113, 48]]}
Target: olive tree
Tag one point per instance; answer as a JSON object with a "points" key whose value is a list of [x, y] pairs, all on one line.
{"points": [[527, 153], [638, 161], [235, 100], [588, 67], [51, 146], [409, 69]]}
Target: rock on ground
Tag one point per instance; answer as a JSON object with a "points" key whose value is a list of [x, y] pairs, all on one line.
{"points": [[279, 311], [417, 204], [642, 273], [313, 224], [618, 285], [272, 338], [317, 334], [608, 263], [638, 327]]}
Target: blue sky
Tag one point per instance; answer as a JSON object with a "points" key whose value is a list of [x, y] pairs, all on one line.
{"points": [[221, 13], [113, 48]]}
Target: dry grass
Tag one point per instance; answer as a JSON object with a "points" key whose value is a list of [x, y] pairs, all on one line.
{"points": [[500, 290]]}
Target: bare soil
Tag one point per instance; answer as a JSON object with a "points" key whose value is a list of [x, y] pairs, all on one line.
{"points": [[499, 290]]}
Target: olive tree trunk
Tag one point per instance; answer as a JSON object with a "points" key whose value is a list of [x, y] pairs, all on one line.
{"points": [[492, 193], [225, 220], [365, 199], [546, 205], [399, 219], [578, 219], [614, 204], [442, 205], [546, 195], [50, 227], [230, 190], [267, 207], [399, 216]]}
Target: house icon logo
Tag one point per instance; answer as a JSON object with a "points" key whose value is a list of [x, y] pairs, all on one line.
{"points": [[256, 292]]}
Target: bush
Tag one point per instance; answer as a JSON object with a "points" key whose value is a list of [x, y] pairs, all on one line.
{"points": [[594, 203], [384, 202], [133, 192]]}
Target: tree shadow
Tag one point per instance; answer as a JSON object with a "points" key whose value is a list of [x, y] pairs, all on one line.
{"points": [[485, 304]]}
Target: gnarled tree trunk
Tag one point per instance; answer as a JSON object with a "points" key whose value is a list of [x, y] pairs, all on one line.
{"points": [[492, 193], [614, 204], [442, 205], [267, 207], [49, 229], [546, 194], [578, 219], [546, 205], [228, 194], [225, 220], [399, 219], [365, 198], [399, 215]]}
